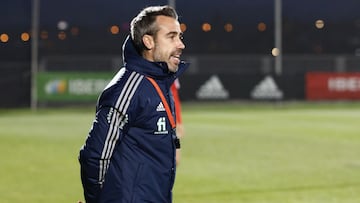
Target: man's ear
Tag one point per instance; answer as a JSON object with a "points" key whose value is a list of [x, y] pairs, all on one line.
{"points": [[148, 41]]}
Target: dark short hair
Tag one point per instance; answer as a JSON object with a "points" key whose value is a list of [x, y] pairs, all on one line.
{"points": [[144, 23]]}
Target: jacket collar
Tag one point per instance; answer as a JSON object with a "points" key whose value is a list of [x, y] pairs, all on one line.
{"points": [[158, 70]]}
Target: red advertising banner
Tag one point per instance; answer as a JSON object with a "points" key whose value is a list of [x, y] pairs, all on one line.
{"points": [[332, 86]]}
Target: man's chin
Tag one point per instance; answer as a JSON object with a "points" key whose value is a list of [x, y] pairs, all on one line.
{"points": [[173, 69]]}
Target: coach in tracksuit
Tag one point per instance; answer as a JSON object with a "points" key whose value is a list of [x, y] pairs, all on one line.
{"points": [[129, 154]]}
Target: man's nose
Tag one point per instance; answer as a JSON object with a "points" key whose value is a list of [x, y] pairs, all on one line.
{"points": [[181, 44]]}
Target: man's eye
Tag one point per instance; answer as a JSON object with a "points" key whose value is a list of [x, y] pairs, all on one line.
{"points": [[174, 37]]}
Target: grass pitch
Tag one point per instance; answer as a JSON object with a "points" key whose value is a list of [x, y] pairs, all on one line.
{"points": [[251, 153]]}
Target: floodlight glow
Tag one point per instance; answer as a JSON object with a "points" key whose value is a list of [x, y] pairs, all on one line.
{"points": [[4, 38], [206, 27], [62, 25], [261, 27], [25, 36], [183, 27], [114, 29], [319, 24], [228, 27], [62, 35], [275, 52]]}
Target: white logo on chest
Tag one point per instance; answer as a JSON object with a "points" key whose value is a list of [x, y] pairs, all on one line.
{"points": [[161, 126]]}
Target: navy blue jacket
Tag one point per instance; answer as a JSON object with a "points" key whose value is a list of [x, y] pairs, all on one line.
{"points": [[129, 154]]}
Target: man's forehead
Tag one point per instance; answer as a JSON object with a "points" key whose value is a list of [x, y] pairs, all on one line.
{"points": [[168, 24]]}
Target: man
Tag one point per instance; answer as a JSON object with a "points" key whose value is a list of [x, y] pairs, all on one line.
{"points": [[129, 154]]}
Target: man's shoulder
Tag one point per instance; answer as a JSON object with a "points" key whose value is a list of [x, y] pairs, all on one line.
{"points": [[122, 87]]}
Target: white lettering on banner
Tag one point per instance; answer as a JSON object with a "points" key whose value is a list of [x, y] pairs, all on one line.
{"points": [[86, 86], [344, 84]]}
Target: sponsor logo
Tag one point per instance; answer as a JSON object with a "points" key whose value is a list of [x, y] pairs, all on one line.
{"points": [[266, 89], [109, 115], [161, 126], [212, 89], [56, 87], [124, 121], [160, 107], [75, 86], [124, 118], [332, 86]]}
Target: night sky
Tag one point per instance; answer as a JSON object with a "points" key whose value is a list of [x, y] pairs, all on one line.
{"points": [[93, 18], [17, 13]]}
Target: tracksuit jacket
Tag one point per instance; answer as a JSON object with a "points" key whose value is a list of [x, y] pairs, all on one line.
{"points": [[129, 154]]}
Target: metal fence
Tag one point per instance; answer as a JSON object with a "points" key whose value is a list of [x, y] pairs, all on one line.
{"points": [[216, 63], [15, 77]]}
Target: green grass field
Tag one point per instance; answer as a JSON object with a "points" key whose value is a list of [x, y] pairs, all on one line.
{"points": [[251, 153]]}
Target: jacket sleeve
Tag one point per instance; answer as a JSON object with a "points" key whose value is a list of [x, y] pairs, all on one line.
{"points": [[95, 155]]}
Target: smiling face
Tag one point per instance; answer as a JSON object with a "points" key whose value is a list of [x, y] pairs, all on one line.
{"points": [[166, 45]]}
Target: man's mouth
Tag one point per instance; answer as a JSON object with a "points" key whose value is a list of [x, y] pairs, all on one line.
{"points": [[176, 58]]}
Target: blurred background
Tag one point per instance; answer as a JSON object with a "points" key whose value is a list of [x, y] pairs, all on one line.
{"points": [[64, 52]]}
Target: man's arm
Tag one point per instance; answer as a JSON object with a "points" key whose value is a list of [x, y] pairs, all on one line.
{"points": [[96, 153]]}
